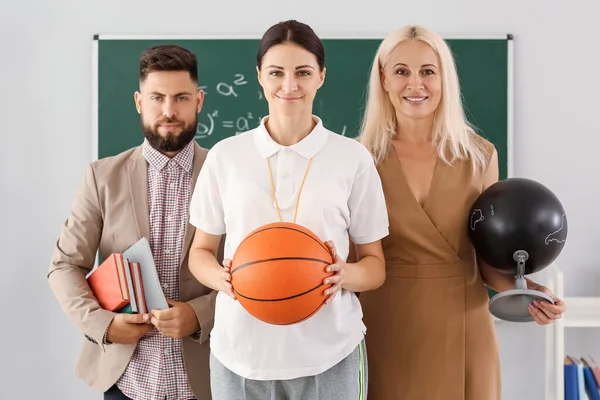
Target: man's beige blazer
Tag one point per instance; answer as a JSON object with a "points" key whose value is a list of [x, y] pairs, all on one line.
{"points": [[110, 213]]}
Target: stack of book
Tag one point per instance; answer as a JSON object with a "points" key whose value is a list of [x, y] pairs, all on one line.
{"points": [[582, 378], [128, 282]]}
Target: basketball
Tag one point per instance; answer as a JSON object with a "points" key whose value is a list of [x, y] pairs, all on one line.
{"points": [[277, 273]]}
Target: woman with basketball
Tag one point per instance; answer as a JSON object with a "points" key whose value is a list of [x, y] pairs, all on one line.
{"points": [[290, 169], [431, 335]]}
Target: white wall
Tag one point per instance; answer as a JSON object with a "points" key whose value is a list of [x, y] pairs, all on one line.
{"points": [[45, 67]]}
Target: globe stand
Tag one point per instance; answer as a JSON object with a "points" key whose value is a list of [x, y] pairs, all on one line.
{"points": [[512, 305]]}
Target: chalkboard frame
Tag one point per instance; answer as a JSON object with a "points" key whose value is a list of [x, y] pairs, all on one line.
{"points": [[378, 36]]}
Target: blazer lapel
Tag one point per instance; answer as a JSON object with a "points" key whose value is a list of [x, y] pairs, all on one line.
{"points": [[137, 171], [199, 157]]}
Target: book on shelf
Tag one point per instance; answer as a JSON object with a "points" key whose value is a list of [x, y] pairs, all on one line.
{"points": [[582, 378]]}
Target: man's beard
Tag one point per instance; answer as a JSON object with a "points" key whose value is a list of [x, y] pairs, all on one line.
{"points": [[171, 142]]}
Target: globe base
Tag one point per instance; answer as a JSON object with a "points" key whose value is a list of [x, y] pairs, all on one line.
{"points": [[512, 305]]}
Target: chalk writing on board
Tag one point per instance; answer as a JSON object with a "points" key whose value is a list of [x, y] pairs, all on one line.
{"points": [[239, 80], [225, 88], [239, 125], [204, 130]]}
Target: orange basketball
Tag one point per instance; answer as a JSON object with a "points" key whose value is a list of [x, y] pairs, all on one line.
{"points": [[277, 273]]}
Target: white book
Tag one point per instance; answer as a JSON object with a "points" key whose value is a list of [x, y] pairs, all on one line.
{"points": [[142, 253]]}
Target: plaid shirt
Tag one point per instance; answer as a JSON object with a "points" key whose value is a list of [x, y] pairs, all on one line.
{"points": [[156, 370]]}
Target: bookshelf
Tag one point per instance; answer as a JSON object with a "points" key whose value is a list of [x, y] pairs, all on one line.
{"points": [[582, 312]]}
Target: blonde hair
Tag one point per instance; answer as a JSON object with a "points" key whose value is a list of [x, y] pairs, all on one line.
{"points": [[451, 132]]}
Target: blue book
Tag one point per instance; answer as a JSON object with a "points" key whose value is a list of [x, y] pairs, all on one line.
{"points": [[591, 386], [571, 380]]}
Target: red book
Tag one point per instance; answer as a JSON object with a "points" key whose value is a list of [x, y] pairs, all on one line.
{"points": [[109, 283]]}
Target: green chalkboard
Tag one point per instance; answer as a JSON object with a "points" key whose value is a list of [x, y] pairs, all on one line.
{"points": [[234, 101]]}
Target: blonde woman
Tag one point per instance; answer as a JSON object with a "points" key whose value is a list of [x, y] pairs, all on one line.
{"points": [[429, 332]]}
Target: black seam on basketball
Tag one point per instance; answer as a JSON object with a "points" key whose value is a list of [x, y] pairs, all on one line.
{"points": [[280, 259], [292, 229], [281, 299], [305, 317]]}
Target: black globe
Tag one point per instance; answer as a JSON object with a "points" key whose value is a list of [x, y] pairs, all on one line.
{"points": [[517, 214]]}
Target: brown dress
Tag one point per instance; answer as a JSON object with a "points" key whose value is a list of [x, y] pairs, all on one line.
{"points": [[429, 334]]}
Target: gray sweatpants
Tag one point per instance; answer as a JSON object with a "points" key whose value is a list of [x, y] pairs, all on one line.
{"points": [[347, 380]]}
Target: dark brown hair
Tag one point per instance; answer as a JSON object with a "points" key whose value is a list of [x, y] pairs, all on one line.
{"points": [[291, 31], [168, 57]]}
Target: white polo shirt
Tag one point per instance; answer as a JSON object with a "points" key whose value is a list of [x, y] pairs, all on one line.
{"points": [[342, 198]]}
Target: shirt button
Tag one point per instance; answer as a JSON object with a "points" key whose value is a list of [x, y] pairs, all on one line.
{"points": [[286, 175], [165, 286], [166, 352], [173, 185], [170, 217]]}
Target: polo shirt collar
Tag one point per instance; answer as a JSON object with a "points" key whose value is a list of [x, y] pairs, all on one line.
{"points": [[307, 147]]}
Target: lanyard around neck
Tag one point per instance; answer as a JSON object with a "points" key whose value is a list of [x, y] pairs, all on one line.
{"points": [[299, 191]]}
